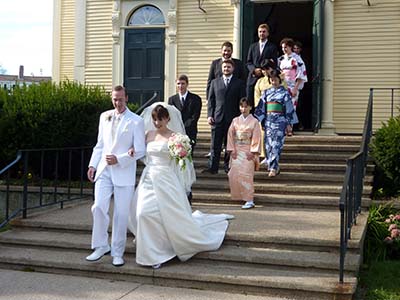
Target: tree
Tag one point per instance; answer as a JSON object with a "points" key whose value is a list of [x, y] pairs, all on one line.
{"points": [[2, 70]]}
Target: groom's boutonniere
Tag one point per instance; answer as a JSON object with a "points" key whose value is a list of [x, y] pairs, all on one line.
{"points": [[109, 116]]}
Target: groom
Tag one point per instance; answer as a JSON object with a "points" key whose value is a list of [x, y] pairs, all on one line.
{"points": [[114, 171]]}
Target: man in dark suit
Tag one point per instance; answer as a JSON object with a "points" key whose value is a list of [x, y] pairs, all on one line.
{"points": [[223, 105], [216, 65], [263, 49], [189, 105]]}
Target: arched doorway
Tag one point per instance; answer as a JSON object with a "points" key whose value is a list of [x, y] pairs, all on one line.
{"points": [[144, 54]]}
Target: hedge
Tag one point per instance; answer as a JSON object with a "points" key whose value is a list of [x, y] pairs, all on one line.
{"points": [[50, 115]]}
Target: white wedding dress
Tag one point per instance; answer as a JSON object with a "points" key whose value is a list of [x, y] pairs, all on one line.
{"points": [[161, 217]]}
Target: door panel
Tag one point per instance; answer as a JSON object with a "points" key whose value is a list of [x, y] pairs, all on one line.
{"points": [[144, 64]]}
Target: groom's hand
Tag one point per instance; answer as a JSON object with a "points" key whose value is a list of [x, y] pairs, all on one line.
{"points": [[90, 174], [111, 159]]}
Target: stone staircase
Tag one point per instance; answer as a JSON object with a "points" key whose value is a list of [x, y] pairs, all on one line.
{"points": [[312, 171], [288, 246]]}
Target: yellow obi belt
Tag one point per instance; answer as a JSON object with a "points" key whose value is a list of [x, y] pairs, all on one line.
{"points": [[242, 138], [274, 107]]}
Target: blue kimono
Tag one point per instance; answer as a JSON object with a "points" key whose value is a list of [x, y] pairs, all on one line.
{"points": [[275, 111]]}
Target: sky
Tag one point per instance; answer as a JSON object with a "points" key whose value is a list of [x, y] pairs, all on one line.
{"points": [[26, 35]]}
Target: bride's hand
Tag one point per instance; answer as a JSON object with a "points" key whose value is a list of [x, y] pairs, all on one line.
{"points": [[131, 152]]}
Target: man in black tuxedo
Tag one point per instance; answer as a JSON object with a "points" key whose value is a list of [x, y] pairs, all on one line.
{"points": [[189, 105], [223, 105], [258, 51], [216, 65]]}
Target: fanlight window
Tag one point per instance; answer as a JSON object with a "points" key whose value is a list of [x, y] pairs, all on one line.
{"points": [[147, 15]]}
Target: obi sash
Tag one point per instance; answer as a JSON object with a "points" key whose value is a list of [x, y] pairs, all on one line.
{"points": [[274, 107], [242, 138]]}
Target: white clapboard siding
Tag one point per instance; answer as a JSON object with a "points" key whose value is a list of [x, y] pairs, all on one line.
{"points": [[199, 39], [98, 60], [366, 54], [67, 40]]}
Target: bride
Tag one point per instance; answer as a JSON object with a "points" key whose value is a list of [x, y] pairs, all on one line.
{"points": [[161, 217]]}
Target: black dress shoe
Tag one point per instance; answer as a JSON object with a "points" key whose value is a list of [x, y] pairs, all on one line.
{"points": [[209, 171]]}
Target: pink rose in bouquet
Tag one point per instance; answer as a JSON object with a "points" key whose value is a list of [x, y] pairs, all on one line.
{"points": [[180, 149]]}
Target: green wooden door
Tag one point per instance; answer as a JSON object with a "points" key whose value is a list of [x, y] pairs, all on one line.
{"points": [[144, 64]]}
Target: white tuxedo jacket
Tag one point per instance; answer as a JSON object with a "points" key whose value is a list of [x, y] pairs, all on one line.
{"points": [[129, 133]]}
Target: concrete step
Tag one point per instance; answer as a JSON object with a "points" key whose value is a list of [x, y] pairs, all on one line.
{"points": [[300, 148], [201, 163], [286, 176], [275, 187], [303, 139], [268, 199], [333, 158], [296, 258], [215, 275], [262, 227]]}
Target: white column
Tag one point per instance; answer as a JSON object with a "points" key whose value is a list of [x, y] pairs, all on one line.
{"points": [[80, 41], [327, 125], [170, 51], [236, 28], [56, 41], [116, 48]]}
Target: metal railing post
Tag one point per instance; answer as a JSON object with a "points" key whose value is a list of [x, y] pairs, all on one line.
{"points": [[25, 192]]}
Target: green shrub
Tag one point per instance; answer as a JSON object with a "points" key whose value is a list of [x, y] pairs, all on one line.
{"points": [[50, 115], [385, 149]]}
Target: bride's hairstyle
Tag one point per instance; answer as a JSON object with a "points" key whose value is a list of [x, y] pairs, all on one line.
{"points": [[160, 112]]}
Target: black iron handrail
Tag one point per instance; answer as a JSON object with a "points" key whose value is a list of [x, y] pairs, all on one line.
{"points": [[55, 165], [353, 184], [147, 103]]}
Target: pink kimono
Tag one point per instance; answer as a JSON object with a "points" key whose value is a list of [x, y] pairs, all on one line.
{"points": [[244, 136]]}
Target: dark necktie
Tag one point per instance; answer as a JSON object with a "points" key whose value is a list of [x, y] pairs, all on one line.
{"points": [[183, 101]]}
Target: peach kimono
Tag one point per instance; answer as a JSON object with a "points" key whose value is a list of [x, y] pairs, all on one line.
{"points": [[244, 136]]}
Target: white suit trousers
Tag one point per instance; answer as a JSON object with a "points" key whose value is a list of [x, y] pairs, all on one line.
{"points": [[123, 195]]}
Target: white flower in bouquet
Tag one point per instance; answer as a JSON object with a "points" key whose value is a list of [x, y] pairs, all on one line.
{"points": [[180, 149]]}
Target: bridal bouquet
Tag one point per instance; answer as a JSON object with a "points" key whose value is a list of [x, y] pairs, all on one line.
{"points": [[180, 149]]}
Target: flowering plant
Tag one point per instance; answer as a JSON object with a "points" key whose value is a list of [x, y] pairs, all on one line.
{"points": [[394, 228], [382, 240], [180, 149]]}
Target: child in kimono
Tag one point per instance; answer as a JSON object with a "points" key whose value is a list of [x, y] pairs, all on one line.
{"points": [[244, 143], [276, 113]]}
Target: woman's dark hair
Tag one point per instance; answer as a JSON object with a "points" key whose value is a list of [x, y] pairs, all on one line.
{"points": [[274, 74], [160, 112], [288, 42], [244, 100], [268, 64]]}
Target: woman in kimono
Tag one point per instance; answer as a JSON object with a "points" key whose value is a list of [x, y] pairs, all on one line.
{"points": [[293, 68], [276, 113], [244, 143], [161, 217], [263, 84]]}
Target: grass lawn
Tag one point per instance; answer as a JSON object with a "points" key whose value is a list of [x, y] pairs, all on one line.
{"points": [[381, 281]]}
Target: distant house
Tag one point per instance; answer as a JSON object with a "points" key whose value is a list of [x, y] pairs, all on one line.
{"points": [[349, 46], [10, 81]]}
